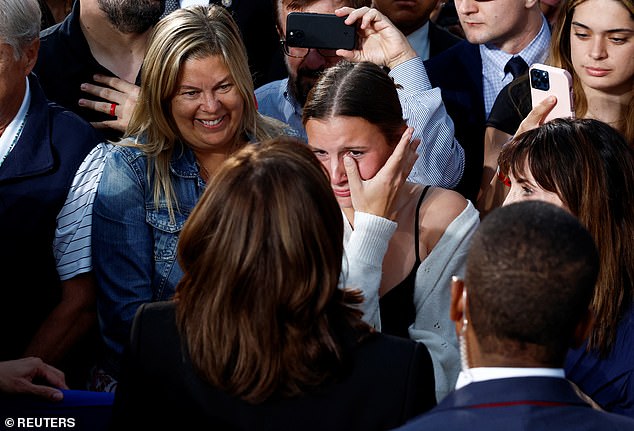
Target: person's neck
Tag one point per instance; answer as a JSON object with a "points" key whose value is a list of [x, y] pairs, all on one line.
{"points": [[210, 161], [504, 361], [59, 8], [410, 28], [10, 109], [524, 36], [609, 108], [120, 53]]}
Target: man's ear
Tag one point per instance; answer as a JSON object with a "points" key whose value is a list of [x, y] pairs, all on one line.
{"points": [[528, 4], [583, 329], [29, 54], [457, 305]]}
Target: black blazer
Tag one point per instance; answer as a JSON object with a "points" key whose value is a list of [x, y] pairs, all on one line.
{"points": [[389, 380], [440, 39], [458, 73]]}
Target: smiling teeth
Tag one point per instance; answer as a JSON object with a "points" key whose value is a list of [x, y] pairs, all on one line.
{"points": [[212, 122]]}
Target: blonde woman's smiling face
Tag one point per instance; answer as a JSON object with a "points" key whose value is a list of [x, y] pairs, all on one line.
{"points": [[207, 107]]}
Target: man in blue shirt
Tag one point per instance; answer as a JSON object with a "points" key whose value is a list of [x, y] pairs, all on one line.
{"points": [[472, 73]]}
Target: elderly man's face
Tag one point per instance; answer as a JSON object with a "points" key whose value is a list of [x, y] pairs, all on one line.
{"points": [[13, 74]]}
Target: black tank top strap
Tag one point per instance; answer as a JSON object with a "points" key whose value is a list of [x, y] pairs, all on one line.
{"points": [[417, 224]]}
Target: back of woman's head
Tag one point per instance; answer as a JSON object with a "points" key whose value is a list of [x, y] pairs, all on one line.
{"points": [[362, 90], [188, 33], [590, 167], [262, 255]]}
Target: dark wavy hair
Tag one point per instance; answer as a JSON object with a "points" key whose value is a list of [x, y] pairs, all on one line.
{"points": [[262, 254]]}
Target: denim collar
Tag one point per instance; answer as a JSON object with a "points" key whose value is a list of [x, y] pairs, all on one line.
{"points": [[183, 163]]}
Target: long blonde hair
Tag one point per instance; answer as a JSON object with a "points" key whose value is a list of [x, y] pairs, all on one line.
{"points": [[195, 32], [560, 56]]}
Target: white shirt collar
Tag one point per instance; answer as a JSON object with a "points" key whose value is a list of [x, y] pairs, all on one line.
{"points": [[419, 39], [481, 374], [186, 3], [11, 134]]}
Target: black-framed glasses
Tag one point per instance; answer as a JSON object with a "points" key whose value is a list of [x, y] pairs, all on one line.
{"points": [[297, 52]]}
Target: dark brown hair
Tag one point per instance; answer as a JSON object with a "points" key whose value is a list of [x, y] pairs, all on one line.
{"points": [[262, 255], [361, 90]]}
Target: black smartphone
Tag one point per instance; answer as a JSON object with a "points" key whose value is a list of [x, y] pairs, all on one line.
{"points": [[316, 30]]}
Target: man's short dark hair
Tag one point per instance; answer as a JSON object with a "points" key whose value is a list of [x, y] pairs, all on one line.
{"points": [[531, 272]]}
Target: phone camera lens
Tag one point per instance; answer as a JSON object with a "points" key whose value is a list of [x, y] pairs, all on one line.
{"points": [[540, 80]]}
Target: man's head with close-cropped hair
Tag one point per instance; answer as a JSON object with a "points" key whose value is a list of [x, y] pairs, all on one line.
{"points": [[530, 275]]}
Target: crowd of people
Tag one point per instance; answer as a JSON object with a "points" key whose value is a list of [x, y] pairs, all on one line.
{"points": [[216, 227]]}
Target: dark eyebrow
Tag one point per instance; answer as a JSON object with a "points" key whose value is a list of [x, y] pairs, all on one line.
{"points": [[615, 30]]}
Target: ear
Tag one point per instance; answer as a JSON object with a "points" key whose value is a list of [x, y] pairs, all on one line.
{"points": [[457, 305], [583, 329], [280, 33], [29, 55], [529, 4]]}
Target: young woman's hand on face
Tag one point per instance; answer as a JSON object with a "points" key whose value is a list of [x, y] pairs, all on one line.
{"points": [[376, 195]]}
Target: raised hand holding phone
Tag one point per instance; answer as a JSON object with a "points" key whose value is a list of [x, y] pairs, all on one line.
{"points": [[548, 81]]}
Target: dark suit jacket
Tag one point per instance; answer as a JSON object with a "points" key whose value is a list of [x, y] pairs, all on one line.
{"points": [[458, 73], [440, 39], [34, 181], [523, 403], [389, 380]]}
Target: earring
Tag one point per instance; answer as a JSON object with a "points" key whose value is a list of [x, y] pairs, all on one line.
{"points": [[465, 377]]}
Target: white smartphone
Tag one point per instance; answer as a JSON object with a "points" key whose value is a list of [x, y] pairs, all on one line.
{"points": [[548, 80]]}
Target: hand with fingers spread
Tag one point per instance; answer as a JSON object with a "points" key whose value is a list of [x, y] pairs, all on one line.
{"points": [[376, 195], [379, 40], [16, 377], [120, 100]]}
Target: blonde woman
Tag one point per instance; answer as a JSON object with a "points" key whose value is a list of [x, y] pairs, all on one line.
{"points": [[196, 107]]}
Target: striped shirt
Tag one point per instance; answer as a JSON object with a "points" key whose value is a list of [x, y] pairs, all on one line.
{"points": [[71, 246]]}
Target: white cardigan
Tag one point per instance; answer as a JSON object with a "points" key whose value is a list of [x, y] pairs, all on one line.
{"points": [[365, 247]]}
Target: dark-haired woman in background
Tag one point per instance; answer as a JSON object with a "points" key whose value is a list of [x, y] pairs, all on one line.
{"points": [[586, 167]]}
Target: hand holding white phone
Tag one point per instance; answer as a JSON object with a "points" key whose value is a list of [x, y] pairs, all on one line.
{"points": [[548, 80]]}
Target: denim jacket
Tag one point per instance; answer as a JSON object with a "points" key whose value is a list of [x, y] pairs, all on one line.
{"points": [[134, 243]]}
